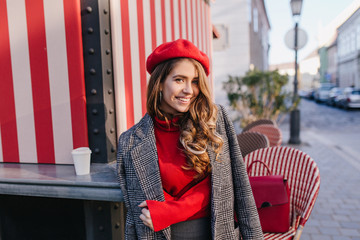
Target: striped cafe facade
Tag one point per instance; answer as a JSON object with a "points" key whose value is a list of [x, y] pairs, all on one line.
{"points": [[73, 75]]}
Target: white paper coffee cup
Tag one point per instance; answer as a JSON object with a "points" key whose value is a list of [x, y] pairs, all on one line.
{"points": [[81, 157]]}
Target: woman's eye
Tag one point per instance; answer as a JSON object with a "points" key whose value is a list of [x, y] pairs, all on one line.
{"points": [[195, 82], [179, 79]]}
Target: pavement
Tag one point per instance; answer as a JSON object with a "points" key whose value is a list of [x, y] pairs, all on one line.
{"points": [[336, 214]]}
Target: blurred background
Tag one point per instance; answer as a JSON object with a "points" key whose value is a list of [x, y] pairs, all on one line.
{"points": [[313, 55], [251, 35]]}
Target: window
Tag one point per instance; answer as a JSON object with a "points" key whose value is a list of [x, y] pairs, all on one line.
{"points": [[352, 46], [358, 37], [256, 21], [249, 10], [340, 45], [222, 43]]}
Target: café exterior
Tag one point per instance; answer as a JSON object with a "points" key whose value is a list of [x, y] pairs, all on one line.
{"points": [[73, 75]]}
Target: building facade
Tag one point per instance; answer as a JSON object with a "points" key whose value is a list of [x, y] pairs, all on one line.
{"points": [[329, 45], [323, 56], [348, 42], [243, 44], [332, 70], [309, 71], [328, 71]]}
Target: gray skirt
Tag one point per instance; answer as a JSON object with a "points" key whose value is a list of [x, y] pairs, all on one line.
{"points": [[197, 229]]}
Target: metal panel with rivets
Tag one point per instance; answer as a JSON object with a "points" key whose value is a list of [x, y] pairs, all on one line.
{"points": [[99, 79], [103, 220]]}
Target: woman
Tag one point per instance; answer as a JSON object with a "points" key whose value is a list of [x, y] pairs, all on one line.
{"points": [[180, 168]]}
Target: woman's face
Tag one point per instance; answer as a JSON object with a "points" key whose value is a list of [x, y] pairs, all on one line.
{"points": [[180, 88]]}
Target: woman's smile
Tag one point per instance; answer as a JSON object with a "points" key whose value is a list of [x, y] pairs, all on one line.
{"points": [[184, 100]]}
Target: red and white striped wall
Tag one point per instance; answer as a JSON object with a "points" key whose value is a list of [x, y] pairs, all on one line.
{"points": [[42, 92], [138, 26]]}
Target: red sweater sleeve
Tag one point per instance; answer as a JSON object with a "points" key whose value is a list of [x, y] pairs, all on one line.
{"points": [[193, 204]]}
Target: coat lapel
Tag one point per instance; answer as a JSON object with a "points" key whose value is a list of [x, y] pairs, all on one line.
{"points": [[145, 160], [216, 177], [216, 174]]}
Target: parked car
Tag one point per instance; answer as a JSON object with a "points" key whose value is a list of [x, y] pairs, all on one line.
{"points": [[322, 93], [339, 100], [311, 94], [335, 92], [350, 99], [306, 93]]}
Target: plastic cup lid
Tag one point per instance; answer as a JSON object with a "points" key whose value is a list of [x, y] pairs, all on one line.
{"points": [[81, 150]]}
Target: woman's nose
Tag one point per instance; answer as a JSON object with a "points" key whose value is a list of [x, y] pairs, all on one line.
{"points": [[188, 88]]}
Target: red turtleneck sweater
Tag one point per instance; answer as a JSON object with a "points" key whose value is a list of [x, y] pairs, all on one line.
{"points": [[195, 203]]}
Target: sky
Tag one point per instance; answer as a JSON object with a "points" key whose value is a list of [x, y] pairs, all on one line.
{"points": [[314, 13]]}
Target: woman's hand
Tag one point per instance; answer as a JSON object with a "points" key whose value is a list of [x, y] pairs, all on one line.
{"points": [[145, 215]]}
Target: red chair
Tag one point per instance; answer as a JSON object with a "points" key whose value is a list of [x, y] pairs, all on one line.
{"points": [[303, 178], [258, 122], [272, 132], [250, 141]]}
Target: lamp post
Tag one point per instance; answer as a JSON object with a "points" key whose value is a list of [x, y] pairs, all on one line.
{"points": [[295, 113]]}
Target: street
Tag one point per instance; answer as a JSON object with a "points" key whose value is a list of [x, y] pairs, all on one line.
{"points": [[331, 137], [323, 117], [336, 127]]}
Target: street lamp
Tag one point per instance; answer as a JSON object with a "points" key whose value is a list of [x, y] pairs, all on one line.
{"points": [[296, 7], [295, 114]]}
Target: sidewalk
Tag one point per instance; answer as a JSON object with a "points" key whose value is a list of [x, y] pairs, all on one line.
{"points": [[336, 214]]}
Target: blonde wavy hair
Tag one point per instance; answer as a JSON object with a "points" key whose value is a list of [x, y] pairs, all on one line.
{"points": [[197, 125]]}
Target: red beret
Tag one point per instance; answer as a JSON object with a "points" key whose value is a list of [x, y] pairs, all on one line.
{"points": [[176, 49]]}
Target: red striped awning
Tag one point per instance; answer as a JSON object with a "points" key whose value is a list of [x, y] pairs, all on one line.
{"points": [[42, 97]]}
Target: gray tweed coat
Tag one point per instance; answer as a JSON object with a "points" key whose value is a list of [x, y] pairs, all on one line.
{"points": [[139, 177]]}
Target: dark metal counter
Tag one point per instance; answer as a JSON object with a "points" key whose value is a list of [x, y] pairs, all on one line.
{"points": [[52, 196]]}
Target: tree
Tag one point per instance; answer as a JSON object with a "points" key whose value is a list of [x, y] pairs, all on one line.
{"points": [[258, 95]]}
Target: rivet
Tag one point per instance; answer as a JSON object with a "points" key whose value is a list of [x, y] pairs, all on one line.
{"points": [[90, 30], [106, 31], [91, 51], [92, 71], [112, 130], [94, 111], [89, 9], [117, 225], [110, 91], [93, 91], [111, 111], [97, 151], [112, 149], [107, 51], [96, 131], [108, 71], [105, 11], [116, 206], [101, 228]]}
